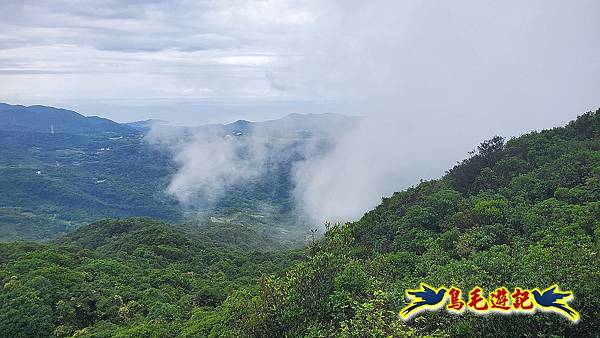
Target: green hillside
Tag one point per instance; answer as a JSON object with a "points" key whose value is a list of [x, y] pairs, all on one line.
{"points": [[111, 276], [522, 213], [525, 213], [52, 183], [45, 119]]}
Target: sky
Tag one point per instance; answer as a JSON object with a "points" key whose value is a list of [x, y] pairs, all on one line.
{"points": [[189, 62], [431, 78], [194, 62]]}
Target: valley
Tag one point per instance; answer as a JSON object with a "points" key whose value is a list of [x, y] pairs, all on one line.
{"points": [[53, 181], [517, 213]]}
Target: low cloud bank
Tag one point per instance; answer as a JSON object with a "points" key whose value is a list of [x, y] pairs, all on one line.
{"points": [[432, 80]]}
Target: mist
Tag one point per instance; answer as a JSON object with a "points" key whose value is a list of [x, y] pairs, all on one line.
{"points": [[214, 160], [210, 165], [432, 80], [209, 161]]}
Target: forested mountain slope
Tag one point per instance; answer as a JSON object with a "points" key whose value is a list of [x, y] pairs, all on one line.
{"points": [[525, 213], [44, 119], [110, 276]]}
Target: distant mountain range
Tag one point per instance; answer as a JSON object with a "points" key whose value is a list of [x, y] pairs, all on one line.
{"points": [[43, 119], [145, 125], [60, 169], [293, 125]]}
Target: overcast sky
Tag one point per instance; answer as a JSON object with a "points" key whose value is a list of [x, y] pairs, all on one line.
{"points": [[193, 62]]}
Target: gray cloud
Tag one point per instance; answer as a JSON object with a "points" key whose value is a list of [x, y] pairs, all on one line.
{"points": [[435, 79], [136, 50], [153, 25]]}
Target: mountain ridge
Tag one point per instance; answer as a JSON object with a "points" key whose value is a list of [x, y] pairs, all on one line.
{"points": [[46, 119], [292, 125]]}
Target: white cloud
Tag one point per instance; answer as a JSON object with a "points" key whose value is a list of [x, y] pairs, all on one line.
{"points": [[210, 165], [435, 79]]}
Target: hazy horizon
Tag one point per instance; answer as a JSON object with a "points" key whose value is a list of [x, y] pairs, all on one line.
{"points": [[432, 79], [197, 63], [235, 115]]}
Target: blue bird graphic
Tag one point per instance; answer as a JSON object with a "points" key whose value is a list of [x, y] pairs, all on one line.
{"points": [[424, 298], [552, 299]]}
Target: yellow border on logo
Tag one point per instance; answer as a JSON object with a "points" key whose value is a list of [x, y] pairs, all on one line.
{"points": [[499, 310], [415, 300], [484, 296], [460, 298], [575, 317], [558, 306]]}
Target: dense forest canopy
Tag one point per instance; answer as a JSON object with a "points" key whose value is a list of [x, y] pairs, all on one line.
{"points": [[523, 212]]}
